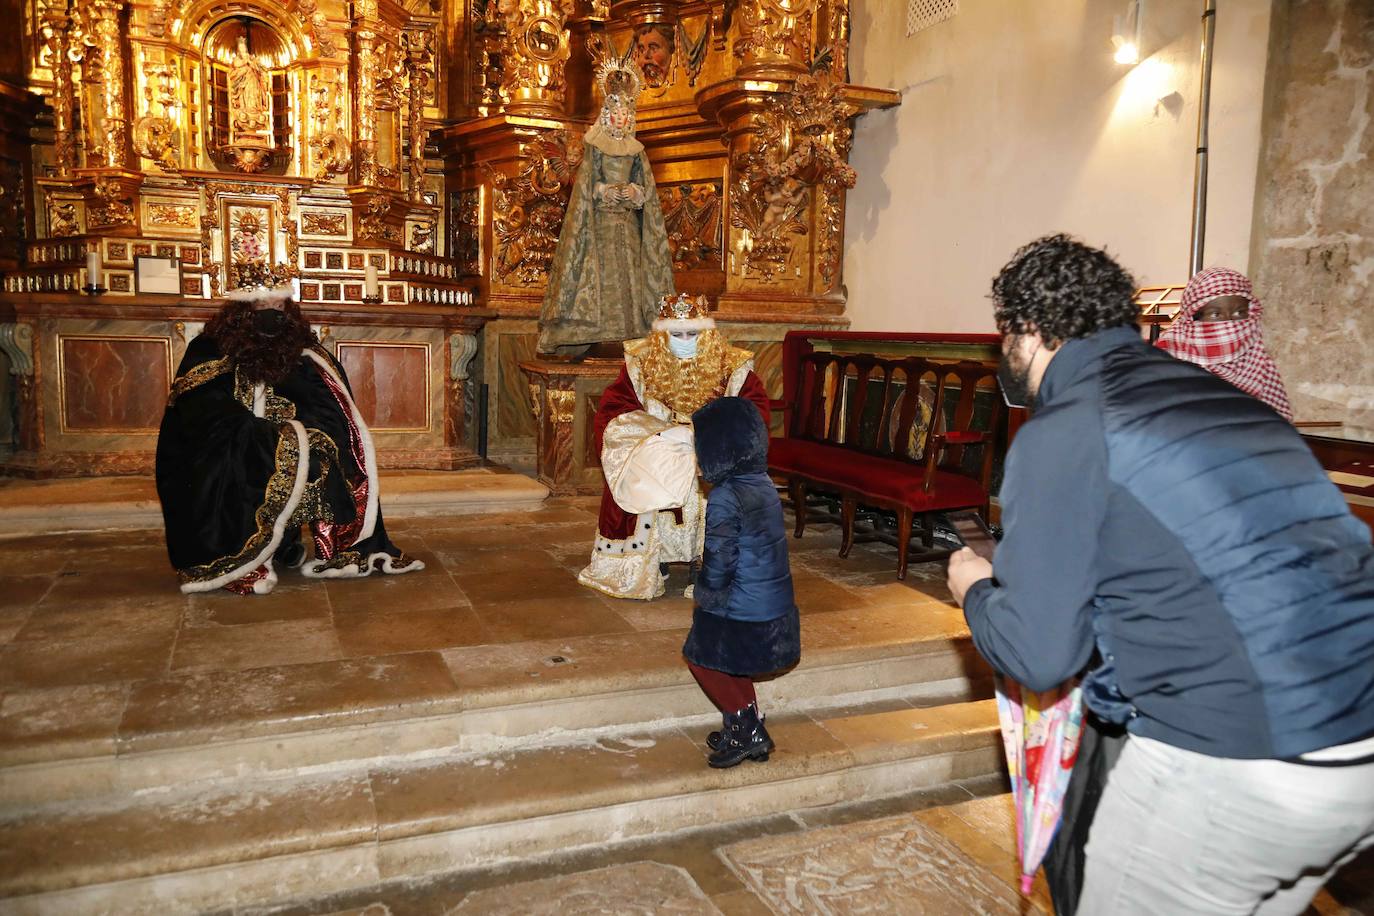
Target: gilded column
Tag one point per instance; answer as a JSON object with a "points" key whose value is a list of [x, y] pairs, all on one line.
{"points": [[57, 27], [418, 58], [534, 57], [366, 130], [774, 38], [114, 122]]}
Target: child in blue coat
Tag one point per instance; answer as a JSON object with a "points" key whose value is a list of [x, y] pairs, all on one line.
{"points": [[745, 622]]}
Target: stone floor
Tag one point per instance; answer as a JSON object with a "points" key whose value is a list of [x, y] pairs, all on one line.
{"points": [[93, 625], [99, 654]]}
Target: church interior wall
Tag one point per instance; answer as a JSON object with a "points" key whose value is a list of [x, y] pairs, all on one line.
{"points": [[1313, 252], [1015, 122]]}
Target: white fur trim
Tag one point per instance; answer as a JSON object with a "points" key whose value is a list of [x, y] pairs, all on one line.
{"points": [[268, 582], [278, 526], [684, 324], [260, 293], [369, 452], [313, 569]]}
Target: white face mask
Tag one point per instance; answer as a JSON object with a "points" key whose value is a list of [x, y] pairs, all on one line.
{"points": [[683, 348]]}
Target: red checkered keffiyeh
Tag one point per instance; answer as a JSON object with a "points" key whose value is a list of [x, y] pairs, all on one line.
{"points": [[1232, 350]]}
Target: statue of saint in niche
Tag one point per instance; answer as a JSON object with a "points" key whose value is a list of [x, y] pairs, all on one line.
{"points": [[250, 100], [612, 264]]}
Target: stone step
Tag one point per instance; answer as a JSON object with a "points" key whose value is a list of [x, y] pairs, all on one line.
{"points": [[278, 839], [59, 505], [265, 723]]}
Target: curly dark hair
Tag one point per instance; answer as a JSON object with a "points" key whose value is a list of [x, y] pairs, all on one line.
{"points": [[1061, 289], [260, 357]]}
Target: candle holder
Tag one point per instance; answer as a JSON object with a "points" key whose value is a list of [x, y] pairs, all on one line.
{"points": [[372, 300], [93, 290]]}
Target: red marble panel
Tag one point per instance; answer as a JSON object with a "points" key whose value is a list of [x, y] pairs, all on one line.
{"points": [[113, 383], [390, 382]]}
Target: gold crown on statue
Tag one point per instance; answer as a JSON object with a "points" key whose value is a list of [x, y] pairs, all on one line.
{"points": [[620, 78], [683, 312]]}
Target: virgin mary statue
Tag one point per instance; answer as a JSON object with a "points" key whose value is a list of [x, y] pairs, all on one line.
{"points": [[612, 265]]}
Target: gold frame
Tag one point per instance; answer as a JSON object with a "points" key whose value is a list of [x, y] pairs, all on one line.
{"points": [[59, 339], [341, 343]]}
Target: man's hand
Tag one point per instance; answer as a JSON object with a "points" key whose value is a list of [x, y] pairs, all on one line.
{"points": [[966, 568]]}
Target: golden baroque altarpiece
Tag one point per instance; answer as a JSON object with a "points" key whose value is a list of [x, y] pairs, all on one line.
{"points": [[407, 163]]}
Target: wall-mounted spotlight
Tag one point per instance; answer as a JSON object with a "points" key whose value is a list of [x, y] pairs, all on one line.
{"points": [[1126, 35]]}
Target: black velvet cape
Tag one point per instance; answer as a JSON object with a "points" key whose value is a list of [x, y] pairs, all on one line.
{"points": [[228, 480]]}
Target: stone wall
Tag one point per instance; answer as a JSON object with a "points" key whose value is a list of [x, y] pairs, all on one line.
{"points": [[1312, 255]]}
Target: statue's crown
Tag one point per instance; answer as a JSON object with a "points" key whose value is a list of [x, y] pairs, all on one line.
{"points": [[621, 79]]}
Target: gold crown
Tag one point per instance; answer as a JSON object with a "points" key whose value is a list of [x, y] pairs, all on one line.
{"points": [[257, 275], [682, 307]]}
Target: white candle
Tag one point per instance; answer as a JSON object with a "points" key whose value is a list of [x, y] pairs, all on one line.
{"points": [[205, 285], [93, 277], [370, 287]]}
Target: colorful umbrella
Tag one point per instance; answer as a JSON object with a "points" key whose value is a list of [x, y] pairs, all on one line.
{"points": [[1041, 733]]}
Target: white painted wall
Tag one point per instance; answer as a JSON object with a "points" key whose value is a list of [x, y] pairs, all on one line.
{"points": [[1016, 122]]}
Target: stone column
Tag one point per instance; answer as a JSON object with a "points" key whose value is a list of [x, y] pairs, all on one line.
{"points": [[16, 342], [461, 349]]}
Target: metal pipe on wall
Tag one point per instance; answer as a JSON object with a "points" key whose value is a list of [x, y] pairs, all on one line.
{"points": [[1209, 20]]}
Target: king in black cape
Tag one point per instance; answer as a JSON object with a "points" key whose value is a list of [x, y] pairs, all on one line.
{"points": [[261, 437]]}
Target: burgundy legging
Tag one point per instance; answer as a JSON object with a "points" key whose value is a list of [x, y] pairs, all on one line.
{"points": [[729, 692]]}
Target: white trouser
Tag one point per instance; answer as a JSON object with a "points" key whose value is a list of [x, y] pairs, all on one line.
{"points": [[1180, 832]]}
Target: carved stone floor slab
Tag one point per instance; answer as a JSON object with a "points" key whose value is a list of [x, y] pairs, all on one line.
{"points": [[638, 889], [911, 864]]}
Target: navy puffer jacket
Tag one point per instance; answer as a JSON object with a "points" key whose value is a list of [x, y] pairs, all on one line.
{"points": [[1185, 530], [744, 570]]}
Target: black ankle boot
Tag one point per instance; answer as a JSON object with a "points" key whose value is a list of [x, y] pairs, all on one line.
{"points": [[715, 739], [743, 738]]}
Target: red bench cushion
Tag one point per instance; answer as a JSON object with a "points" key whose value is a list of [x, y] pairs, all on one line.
{"points": [[872, 476]]}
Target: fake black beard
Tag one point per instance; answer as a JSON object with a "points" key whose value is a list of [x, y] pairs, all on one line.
{"points": [[1015, 384]]}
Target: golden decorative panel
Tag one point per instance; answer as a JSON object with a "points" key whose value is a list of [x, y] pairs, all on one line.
{"points": [[164, 215], [327, 224]]}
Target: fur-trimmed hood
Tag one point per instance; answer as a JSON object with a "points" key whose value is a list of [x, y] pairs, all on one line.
{"points": [[731, 439]]}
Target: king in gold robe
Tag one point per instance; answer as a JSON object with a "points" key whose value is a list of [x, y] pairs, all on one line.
{"points": [[652, 509]]}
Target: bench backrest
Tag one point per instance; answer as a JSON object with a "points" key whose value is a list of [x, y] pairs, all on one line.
{"points": [[898, 407]]}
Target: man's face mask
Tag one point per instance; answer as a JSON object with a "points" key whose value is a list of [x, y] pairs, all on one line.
{"points": [[269, 321], [684, 346], [1013, 375]]}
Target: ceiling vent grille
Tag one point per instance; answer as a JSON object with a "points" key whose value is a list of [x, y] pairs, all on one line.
{"points": [[922, 14]]}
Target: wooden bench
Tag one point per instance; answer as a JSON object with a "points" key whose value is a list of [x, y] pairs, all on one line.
{"points": [[912, 435]]}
